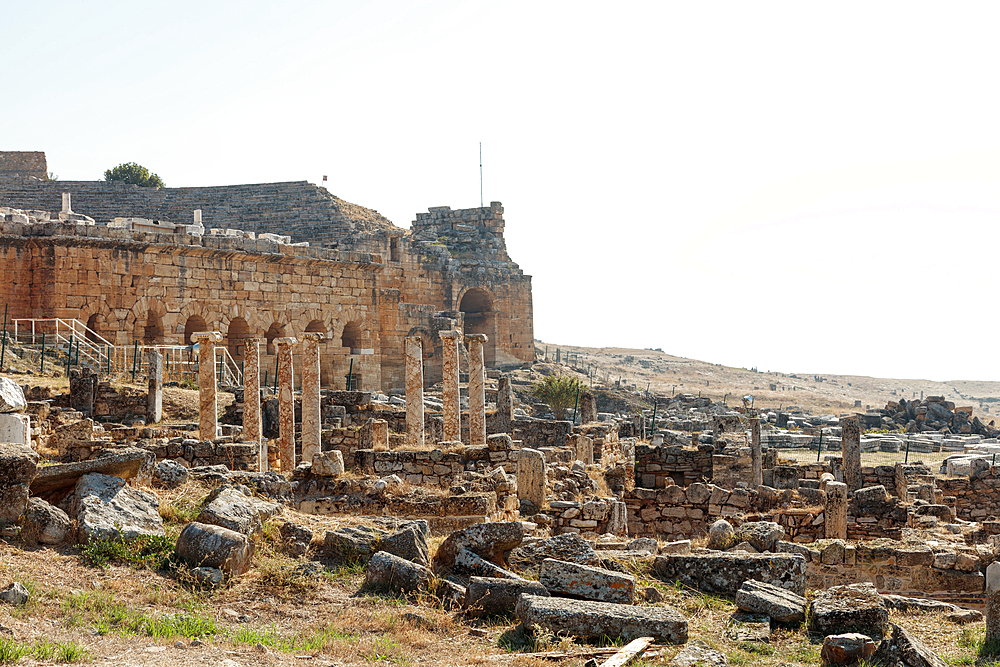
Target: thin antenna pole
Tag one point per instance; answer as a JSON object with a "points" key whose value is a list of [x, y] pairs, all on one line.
{"points": [[480, 174]]}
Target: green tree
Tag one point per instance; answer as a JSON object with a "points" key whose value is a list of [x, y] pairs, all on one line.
{"points": [[136, 174], [559, 392]]}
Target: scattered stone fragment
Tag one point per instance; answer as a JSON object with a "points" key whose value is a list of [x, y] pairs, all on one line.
{"points": [[492, 597], [647, 544], [11, 396], [390, 572], [697, 654], [15, 594], [296, 538], [18, 465], [901, 649], [725, 572], [678, 547], [205, 545], [850, 608], [845, 648], [747, 627], [567, 546], [762, 535], [207, 577], [468, 562], [409, 542], [169, 474], [721, 535], [744, 547], [44, 524], [490, 540], [777, 603], [652, 594], [353, 542], [328, 464], [104, 507], [964, 616], [586, 582], [235, 508], [126, 463], [586, 618]]}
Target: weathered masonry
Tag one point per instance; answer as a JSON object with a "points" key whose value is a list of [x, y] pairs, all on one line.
{"points": [[358, 278]]}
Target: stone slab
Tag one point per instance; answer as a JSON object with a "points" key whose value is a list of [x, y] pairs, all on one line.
{"points": [[777, 603], [586, 618], [586, 582], [725, 572], [125, 463]]}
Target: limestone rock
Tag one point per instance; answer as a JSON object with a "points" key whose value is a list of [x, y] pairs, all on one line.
{"points": [[721, 535], [725, 572], [205, 545], [586, 582], [778, 603], [901, 649], [11, 396], [105, 508], [126, 463], [850, 608], [18, 465], [491, 597], [15, 594], [44, 523], [234, 508], [409, 543], [762, 535], [586, 618], [845, 648], [207, 577], [695, 655], [466, 561], [328, 464], [647, 544], [964, 616], [491, 540], [169, 474], [567, 546], [296, 538], [386, 571]]}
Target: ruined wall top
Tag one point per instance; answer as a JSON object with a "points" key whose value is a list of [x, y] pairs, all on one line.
{"points": [[23, 164], [467, 233]]}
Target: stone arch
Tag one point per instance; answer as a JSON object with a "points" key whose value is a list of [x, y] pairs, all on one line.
{"points": [[426, 341], [277, 329], [98, 317], [237, 331], [315, 326], [193, 325], [477, 307], [146, 320], [352, 335]]}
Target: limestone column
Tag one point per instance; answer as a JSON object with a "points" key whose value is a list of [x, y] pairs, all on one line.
{"points": [[380, 435], [286, 403], [311, 418], [505, 405], [207, 391], [756, 457], [588, 407], [477, 390], [252, 425], [531, 480], [993, 601], [414, 393], [850, 439], [451, 396], [154, 397], [835, 513]]}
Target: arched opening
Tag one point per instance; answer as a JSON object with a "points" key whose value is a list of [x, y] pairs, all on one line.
{"points": [[238, 331], [352, 337], [194, 324], [276, 330], [153, 333], [318, 326], [477, 305], [95, 328]]}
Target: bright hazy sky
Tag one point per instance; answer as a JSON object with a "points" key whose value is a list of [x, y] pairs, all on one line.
{"points": [[795, 186]]}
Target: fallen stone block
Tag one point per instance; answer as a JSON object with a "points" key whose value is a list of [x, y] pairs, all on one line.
{"points": [[18, 466], [963, 616], [296, 538], [44, 524], [11, 396], [901, 648], [586, 618], [777, 603], [699, 655], [328, 464], [725, 572], [235, 509], [850, 608], [387, 571], [208, 577], [468, 562], [169, 474], [491, 540], [105, 508], [486, 596], [721, 535], [586, 582], [126, 463], [208, 546], [408, 541], [678, 547], [747, 627], [15, 594], [845, 648], [568, 547], [15, 428], [762, 535]]}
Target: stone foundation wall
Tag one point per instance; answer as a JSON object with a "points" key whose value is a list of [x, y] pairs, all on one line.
{"points": [[680, 513], [234, 455], [975, 498], [437, 467], [657, 467]]}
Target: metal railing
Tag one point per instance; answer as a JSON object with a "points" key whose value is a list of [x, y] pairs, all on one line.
{"points": [[180, 363], [84, 346]]}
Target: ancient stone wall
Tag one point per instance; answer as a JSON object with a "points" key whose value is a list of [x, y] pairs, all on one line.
{"points": [[23, 164], [976, 498], [657, 467]]}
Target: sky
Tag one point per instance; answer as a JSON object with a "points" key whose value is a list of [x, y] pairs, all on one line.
{"points": [[789, 186]]}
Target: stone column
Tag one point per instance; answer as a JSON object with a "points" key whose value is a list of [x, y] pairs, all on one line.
{"points": [[252, 425], [477, 390], [286, 403], [588, 407], [756, 457], [531, 480], [835, 513], [154, 397], [414, 393], [380, 435], [311, 418], [993, 601], [583, 448], [850, 439], [450, 394], [209, 421], [505, 406]]}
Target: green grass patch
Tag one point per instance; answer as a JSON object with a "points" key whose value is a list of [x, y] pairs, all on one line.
{"points": [[42, 649], [317, 640], [150, 552], [110, 617]]}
